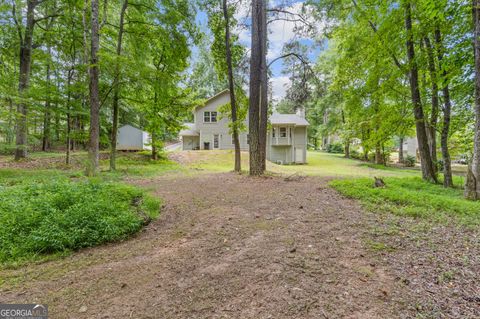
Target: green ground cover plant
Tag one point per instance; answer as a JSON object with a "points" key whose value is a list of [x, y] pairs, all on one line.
{"points": [[43, 214]]}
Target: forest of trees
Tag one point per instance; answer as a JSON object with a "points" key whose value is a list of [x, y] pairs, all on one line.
{"points": [[391, 70], [71, 71]]}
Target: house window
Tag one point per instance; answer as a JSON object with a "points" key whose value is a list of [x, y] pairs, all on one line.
{"points": [[283, 132], [215, 141], [273, 132], [209, 117]]}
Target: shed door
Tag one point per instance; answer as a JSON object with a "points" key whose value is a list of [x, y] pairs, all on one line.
{"points": [[299, 155]]}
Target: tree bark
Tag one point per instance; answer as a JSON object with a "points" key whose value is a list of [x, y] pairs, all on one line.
{"points": [[256, 167], [47, 111], [447, 109], [231, 84], [472, 186], [116, 89], [94, 94], [154, 146], [428, 172], [264, 91], [24, 81], [347, 148], [400, 151], [432, 127], [69, 119], [378, 154]]}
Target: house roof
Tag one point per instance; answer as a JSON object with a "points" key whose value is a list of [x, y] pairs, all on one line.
{"points": [[213, 98], [293, 119], [189, 130]]}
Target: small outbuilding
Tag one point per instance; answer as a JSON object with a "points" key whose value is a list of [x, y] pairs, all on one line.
{"points": [[131, 138]]}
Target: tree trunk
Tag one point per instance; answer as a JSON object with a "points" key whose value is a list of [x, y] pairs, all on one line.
{"points": [[447, 162], [256, 167], [472, 186], [428, 172], [432, 128], [347, 148], [231, 84], [24, 81], [154, 147], [94, 95], [264, 91], [400, 151], [46, 115], [378, 154], [116, 89]]}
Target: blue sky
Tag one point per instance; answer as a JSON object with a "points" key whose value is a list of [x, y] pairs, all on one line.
{"points": [[280, 33]]}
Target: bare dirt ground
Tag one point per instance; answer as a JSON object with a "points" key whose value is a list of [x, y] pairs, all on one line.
{"points": [[230, 246]]}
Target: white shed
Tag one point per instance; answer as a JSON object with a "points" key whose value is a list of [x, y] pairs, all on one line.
{"points": [[410, 146], [133, 139]]}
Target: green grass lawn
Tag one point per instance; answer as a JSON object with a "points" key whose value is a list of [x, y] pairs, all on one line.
{"points": [[411, 196], [319, 164]]}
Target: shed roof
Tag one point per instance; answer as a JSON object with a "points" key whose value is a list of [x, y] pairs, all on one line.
{"points": [[293, 119], [129, 125]]}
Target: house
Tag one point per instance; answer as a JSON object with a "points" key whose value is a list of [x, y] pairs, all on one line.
{"points": [[133, 139], [286, 138], [210, 131]]}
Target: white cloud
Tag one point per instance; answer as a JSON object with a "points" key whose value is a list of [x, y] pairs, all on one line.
{"points": [[279, 86]]}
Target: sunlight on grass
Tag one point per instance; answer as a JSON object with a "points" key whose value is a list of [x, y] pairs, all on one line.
{"points": [[319, 164], [411, 196]]}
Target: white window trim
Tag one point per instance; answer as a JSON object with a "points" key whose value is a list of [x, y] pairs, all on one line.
{"points": [[210, 117]]}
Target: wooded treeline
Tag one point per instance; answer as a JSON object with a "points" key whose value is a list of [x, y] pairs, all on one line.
{"points": [[52, 52], [392, 70]]}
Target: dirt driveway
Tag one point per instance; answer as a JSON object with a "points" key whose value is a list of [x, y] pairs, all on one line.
{"points": [[226, 246]]}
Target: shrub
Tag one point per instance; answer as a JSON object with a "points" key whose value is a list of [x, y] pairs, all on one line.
{"points": [[410, 161], [335, 148], [61, 215], [355, 154]]}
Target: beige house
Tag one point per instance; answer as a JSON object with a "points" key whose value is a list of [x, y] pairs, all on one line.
{"points": [[286, 139]]}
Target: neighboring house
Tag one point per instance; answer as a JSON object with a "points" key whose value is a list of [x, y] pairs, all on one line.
{"points": [[286, 140], [133, 139]]}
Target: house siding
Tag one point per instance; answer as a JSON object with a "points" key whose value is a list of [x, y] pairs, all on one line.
{"points": [[300, 142], [208, 130], [296, 140]]}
